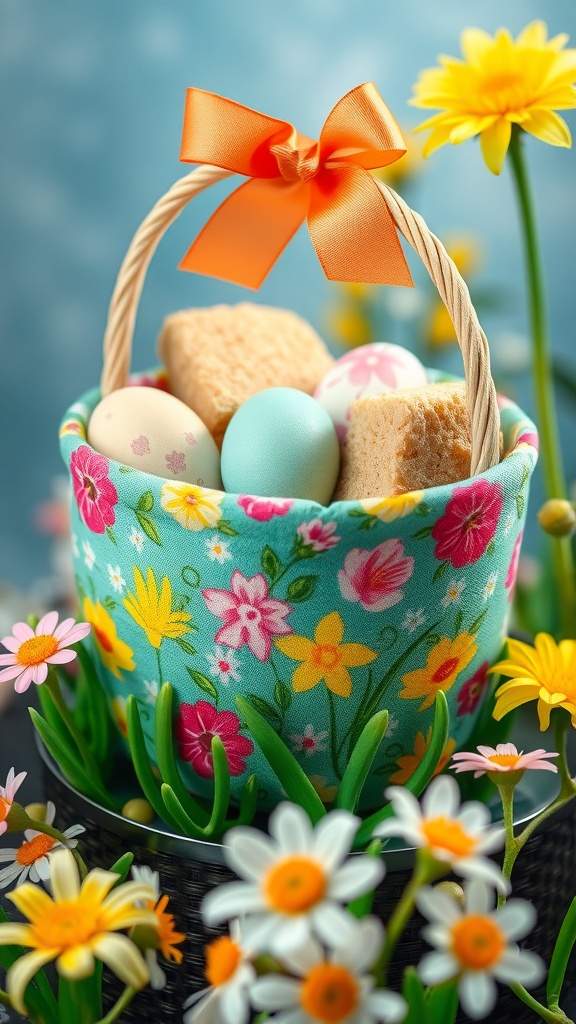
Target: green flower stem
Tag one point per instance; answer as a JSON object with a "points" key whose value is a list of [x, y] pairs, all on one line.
{"points": [[554, 477], [289, 565], [5, 998], [551, 1016], [88, 758], [395, 927], [510, 851], [119, 1006]]}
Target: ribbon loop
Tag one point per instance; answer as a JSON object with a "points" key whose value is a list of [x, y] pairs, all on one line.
{"points": [[292, 178]]}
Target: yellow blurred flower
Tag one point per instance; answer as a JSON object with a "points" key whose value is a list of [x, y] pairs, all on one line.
{"points": [[152, 611], [114, 653], [325, 657], [545, 672], [402, 171], [396, 507], [195, 508], [408, 763], [118, 709], [326, 793], [445, 662], [501, 82], [348, 322]]}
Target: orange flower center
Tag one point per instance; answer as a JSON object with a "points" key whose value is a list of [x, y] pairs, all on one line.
{"points": [[35, 650], [4, 808], [168, 937], [65, 924], [34, 849], [191, 499], [222, 958], [103, 640], [505, 760], [448, 835], [444, 670], [326, 656], [329, 993], [295, 885], [477, 942]]}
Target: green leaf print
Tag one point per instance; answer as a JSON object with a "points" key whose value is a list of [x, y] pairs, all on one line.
{"points": [[282, 696], [110, 534], [110, 603], [520, 504], [203, 683], [264, 708], [223, 526], [301, 589], [424, 532], [145, 502], [440, 571], [149, 526], [491, 548], [458, 620], [185, 645], [478, 622], [271, 564]]}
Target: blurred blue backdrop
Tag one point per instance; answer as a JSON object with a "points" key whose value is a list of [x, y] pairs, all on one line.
{"points": [[93, 95]]}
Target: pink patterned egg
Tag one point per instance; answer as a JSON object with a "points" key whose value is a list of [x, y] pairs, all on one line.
{"points": [[366, 370]]}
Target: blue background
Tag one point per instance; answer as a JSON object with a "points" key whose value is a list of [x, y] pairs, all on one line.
{"points": [[93, 95]]}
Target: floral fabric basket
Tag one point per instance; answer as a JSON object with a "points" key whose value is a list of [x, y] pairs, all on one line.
{"points": [[319, 616]]}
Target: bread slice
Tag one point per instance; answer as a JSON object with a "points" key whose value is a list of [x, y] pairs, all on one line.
{"points": [[406, 440], [217, 357]]}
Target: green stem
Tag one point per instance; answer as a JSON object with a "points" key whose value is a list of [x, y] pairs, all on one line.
{"points": [[85, 753], [333, 738], [400, 918], [551, 1016], [510, 851], [553, 469], [289, 565], [119, 1006], [159, 668], [5, 998]]}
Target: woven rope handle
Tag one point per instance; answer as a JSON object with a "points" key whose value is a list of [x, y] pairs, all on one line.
{"points": [[482, 404]]}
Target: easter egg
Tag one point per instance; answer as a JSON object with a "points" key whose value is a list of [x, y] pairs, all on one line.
{"points": [[367, 370], [151, 430], [281, 444]]}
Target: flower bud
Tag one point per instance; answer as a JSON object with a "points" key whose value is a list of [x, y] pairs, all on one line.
{"points": [[138, 810], [36, 811], [453, 890], [558, 517]]}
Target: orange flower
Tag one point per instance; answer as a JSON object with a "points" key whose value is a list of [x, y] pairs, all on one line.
{"points": [[408, 763], [445, 662]]}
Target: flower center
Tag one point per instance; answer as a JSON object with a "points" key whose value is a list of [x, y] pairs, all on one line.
{"points": [[448, 835], [191, 499], [34, 849], [91, 489], [4, 808], [224, 666], [505, 760], [103, 640], [35, 650], [205, 741], [477, 942], [65, 924], [295, 885], [222, 958], [327, 656], [248, 613], [217, 549], [329, 993], [308, 743], [445, 669]]}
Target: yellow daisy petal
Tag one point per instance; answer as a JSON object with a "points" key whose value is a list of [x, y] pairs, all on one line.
{"points": [[122, 956], [475, 43], [76, 962], [64, 877], [535, 34], [494, 142], [16, 934], [97, 885], [22, 972], [330, 630], [548, 127], [30, 900]]}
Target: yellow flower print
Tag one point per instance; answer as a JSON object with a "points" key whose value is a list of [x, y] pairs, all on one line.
{"points": [[325, 657], [118, 709], [389, 509], [196, 508], [445, 661], [153, 611], [326, 793], [114, 653], [408, 763]]}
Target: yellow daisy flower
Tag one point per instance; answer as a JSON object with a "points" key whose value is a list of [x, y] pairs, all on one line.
{"points": [[545, 672], [499, 83], [153, 611], [396, 507], [325, 657], [114, 653], [408, 763], [445, 662], [193, 507], [75, 925]]}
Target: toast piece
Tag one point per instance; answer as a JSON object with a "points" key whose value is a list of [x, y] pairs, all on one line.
{"points": [[406, 440], [219, 356]]}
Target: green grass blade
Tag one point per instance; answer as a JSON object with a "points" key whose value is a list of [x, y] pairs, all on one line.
{"points": [[442, 1003], [560, 956], [414, 993], [148, 782], [221, 790], [248, 805], [361, 761], [122, 867], [295, 783], [362, 905], [176, 811], [68, 763], [164, 736]]}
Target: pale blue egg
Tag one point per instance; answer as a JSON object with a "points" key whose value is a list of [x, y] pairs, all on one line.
{"points": [[281, 443]]}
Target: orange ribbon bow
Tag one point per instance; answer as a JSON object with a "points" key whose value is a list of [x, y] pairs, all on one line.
{"points": [[293, 178]]}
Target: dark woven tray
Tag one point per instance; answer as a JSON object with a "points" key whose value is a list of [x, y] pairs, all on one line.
{"points": [[544, 874]]}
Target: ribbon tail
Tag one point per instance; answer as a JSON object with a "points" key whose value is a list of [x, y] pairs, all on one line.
{"points": [[248, 231], [352, 230]]}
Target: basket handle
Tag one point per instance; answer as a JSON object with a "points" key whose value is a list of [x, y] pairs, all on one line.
{"points": [[482, 403]]}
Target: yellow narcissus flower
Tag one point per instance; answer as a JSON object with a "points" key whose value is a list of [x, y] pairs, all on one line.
{"points": [[325, 657], [545, 672], [395, 507], [76, 925], [153, 611], [501, 82]]}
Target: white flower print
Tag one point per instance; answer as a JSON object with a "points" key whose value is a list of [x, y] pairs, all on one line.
{"points": [[75, 551], [89, 556], [151, 690], [454, 592], [224, 665], [393, 723], [218, 550], [136, 537], [116, 578], [413, 619], [490, 585], [309, 742]]}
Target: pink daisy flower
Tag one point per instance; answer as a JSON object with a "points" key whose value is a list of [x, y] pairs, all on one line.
{"points": [[7, 794], [31, 651], [504, 758]]}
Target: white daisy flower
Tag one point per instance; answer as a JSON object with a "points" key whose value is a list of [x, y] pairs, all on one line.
{"points": [[230, 973], [89, 556], [116, 578], [152, 689], [456, 836], [454, 592], [414, 619], [309, 742], [224, 665], [294, 880], [336, 989], [74, 545], [136, 537], [218, 550], [32, 858], [490, 585], [477, 944]]}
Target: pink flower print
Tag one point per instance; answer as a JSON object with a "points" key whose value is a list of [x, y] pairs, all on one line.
{"points": [[197, 725], [190, 439], [263, 509], [318, 535], [250, 616], [512, 573], [528, 437], [176, 462], [94, 492], [369, 361], [374, 578], [469, 523], [471, 693], [140, 445]]}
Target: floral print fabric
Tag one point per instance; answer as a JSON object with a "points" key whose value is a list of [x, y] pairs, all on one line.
{"points": [[318, 616]]}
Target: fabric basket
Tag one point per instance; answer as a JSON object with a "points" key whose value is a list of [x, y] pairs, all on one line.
{"points": [[397, 597]]}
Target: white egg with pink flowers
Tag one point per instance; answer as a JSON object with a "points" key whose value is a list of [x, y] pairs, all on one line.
{"points": [[366, 370]]}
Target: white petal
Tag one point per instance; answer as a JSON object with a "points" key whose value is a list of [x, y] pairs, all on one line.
{"points": [[249, 853], [481, 867], [474, 816], [434, 968], [388, 1007], [43, 868], [291, 933], [442, 798], [357, 876], [274, 992], [362, 951], [9, 874], [292, 829], [477, 897], [230, 900], [437, 905], [234, 1006], [477, 993], [204, 1007], [438, 936], [520, 965], [516, 919], [8, 855], [258, 931], [404, 803], [492, 840], [299, 961], [334, 925], [333, 837], [157, 976]]}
